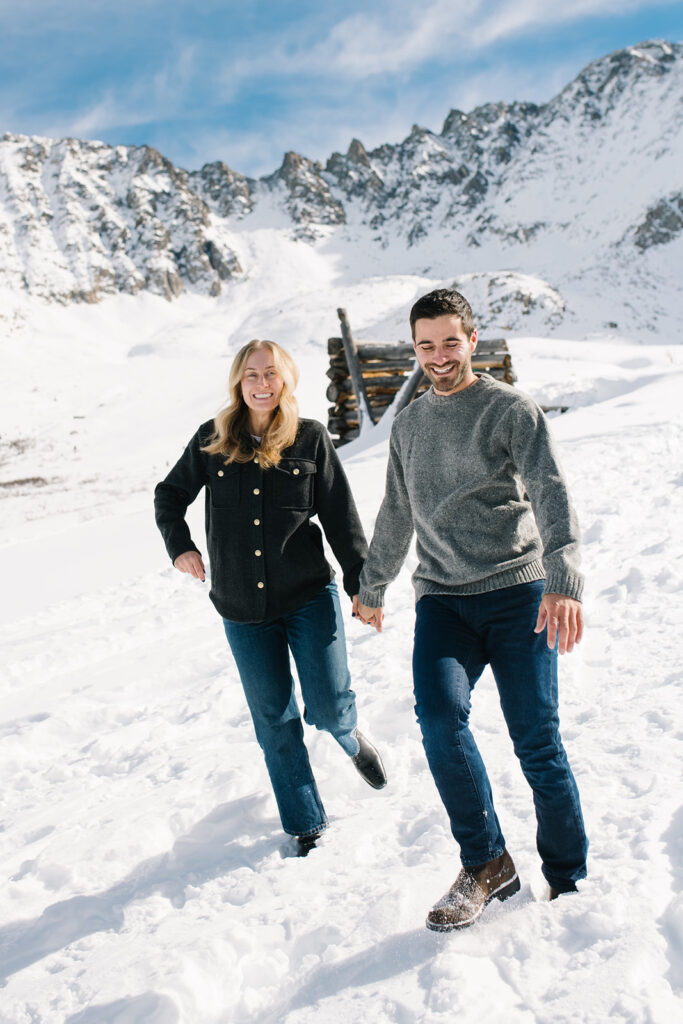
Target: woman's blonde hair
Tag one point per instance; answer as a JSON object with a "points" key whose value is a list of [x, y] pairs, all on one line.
{"points": [[231, 435]]}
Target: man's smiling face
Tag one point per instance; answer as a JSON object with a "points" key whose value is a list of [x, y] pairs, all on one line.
{"points": [[445, 352]]}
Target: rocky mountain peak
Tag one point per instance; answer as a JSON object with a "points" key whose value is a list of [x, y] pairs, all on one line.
{"points": [[307, 196], [597, 90], [357, 153], [228, 193], [81, 220]]}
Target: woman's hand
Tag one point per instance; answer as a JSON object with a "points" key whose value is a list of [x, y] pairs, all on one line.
{"points": [[369, 616], [191, 561]]}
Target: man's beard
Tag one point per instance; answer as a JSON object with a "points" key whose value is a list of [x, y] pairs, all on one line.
{"points": [[449, 381]]}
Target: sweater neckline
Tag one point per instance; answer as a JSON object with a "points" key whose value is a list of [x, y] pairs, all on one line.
{"points": [[441, 401]]}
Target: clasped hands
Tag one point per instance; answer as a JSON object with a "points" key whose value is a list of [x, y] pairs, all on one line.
{"points": [[369, 616]]}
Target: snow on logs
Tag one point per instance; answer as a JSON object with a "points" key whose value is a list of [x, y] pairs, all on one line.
{"points": [[384, 369]]}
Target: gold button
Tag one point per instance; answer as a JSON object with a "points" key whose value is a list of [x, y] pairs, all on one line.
{"points": [[257, 553], [256, 490], [221, 473], [260, 585], [257, 522], [256, 462], [296, 472]]}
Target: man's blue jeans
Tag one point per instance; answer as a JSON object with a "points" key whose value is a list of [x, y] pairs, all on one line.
{"points": [[315, 636], [455, 638]]}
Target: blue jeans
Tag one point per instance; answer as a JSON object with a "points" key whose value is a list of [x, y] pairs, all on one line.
{"points": [[455, 638], [315, 636]]}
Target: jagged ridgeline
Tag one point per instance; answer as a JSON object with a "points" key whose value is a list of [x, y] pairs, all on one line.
{"points": [[594, 171]]}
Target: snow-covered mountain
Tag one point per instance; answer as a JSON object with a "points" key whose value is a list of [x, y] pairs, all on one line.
{"points": [[79, 220], [585, 185]]}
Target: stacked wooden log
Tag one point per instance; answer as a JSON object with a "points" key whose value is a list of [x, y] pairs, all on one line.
{"points": [[385, 369]]}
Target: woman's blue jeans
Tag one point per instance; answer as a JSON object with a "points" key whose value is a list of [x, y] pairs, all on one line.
{"points": [[315, 636], [455, 638]]}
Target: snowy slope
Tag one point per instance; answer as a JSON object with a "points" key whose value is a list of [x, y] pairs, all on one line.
{"points": [[142, 858]]}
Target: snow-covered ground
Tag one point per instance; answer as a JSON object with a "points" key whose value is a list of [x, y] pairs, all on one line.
{"points": [[145, 879]]}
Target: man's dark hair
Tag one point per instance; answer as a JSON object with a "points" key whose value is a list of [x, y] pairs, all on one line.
{"points": [[443, 302]]}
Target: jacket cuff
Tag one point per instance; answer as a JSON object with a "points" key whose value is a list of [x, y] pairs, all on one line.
{"points": [[351, 584], [173, 553], [373, 598], [569, 585]]}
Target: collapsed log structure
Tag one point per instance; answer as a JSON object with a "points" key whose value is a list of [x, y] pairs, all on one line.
{"points": [[367, 376]]}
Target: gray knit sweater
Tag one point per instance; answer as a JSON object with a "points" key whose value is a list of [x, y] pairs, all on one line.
{"points": [[476, 476]]}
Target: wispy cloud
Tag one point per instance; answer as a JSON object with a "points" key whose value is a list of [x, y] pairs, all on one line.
{"points": [[505, 20], [396, 39], [400, 37], [245, 82], [155, 94]]}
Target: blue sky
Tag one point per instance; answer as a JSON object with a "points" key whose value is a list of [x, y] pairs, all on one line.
{"points": [[244, 82]]}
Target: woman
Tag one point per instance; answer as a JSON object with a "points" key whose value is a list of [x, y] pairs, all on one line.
{"points": [[266, 473]]}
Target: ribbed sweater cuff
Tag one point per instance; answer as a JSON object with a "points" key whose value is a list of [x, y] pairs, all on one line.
{"points": [[563, 583], [372, 598]]}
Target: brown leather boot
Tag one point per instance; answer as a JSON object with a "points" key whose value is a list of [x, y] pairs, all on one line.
{"points": [[472, 890]]}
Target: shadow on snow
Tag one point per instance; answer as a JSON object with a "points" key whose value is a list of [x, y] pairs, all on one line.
{"points": [[206, 852], [392, 956], [149, 1008]]}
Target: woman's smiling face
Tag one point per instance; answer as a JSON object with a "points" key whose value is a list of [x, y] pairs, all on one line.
{"points": [[261, 383]]}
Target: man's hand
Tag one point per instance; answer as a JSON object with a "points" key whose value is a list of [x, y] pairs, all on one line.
{"points": [[191, 561], [564, 618], [370, 616]]}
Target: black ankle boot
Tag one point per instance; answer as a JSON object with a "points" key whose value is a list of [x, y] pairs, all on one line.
{"points": [[304, 844], [368, 762]]}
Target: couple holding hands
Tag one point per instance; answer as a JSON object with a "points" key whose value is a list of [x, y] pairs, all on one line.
{"points": [[473, 472]]}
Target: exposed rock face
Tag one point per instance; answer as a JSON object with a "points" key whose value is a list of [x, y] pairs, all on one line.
{"points": [[509, 301], [228, 193], [81, 220], [595, 170], [662, 223], [305, 194], [354, 173]]}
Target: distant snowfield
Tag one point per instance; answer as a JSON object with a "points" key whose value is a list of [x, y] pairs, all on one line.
{"points": [[145, 876]]}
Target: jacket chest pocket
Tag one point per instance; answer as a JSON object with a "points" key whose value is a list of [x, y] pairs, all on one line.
{"points": [[294, 483], [224, 485]]}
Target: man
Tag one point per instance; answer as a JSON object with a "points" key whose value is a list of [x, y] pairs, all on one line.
{"points": [[473, 470]]}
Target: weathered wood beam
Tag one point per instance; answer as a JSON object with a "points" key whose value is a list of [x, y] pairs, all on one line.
{"points": [[408, 393], [354, 369], [373, 365]]}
